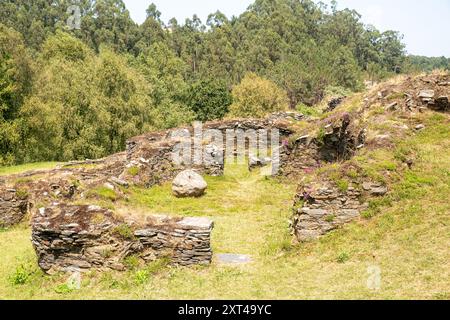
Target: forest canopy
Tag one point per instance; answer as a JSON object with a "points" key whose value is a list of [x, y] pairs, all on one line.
{"points": [[74, 93]]}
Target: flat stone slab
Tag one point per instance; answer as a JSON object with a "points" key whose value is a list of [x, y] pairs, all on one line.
{"points": [[197, 223], [233, 259]]}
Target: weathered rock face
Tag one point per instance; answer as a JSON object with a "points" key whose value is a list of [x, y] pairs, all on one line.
{"points": [[441, 104], [438, 103], [320, 209], [189, 184], [88, 237], [340, 140], [374, 189], [334, 103], [426, 95], [13, 207]]}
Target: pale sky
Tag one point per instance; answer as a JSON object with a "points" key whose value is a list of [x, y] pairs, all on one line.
{"points": [[425, 24]]}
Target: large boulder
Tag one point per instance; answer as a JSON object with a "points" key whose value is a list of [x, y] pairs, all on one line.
{"points": [[189, 184]]}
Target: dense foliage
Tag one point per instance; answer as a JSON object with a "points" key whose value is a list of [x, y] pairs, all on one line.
{"points": [[420, 63], [256, 97], [80, 93]]}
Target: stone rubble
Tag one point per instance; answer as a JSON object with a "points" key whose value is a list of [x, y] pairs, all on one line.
{"points": [[340, 140], [286, 115], [441, 104], [258, 162]]}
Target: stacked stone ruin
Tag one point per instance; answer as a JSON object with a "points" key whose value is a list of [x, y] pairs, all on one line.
{"points": [[67, 236], [322, 207], [13, 207], [340, 140], [151, 154]]}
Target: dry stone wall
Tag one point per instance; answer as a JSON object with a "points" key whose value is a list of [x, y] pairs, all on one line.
{"points": [[13, 207], [67, 237], [323, 208], [149, 157], [72, 237], [338, 138], [21, 192]]}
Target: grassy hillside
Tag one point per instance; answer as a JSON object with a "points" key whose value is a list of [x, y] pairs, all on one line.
{"points": [[27, 167], [406, 234]]}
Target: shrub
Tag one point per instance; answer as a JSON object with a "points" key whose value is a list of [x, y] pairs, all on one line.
{"points": [[343, 257], [141, 277], [132, 262], [22, 194], [375, 206], [133, 171], [64, 289], [209, 99], [257, 97], [103, 193], [342, 185], [20, 276], [124, 231], [388, 165], [308, 111], [321, 136], [332, 91]]}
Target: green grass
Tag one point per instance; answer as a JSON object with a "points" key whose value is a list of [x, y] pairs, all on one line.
{"points": [[133, 171], [27, 167], [309, 111], [395, 96], [103, 193], [407, 237]]}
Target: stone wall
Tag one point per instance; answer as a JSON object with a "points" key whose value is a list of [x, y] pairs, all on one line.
{"points": [[149, 157], [13, 207], [323, 207], [69, 237], [336, 139], [16, 200], [20, 192]]}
